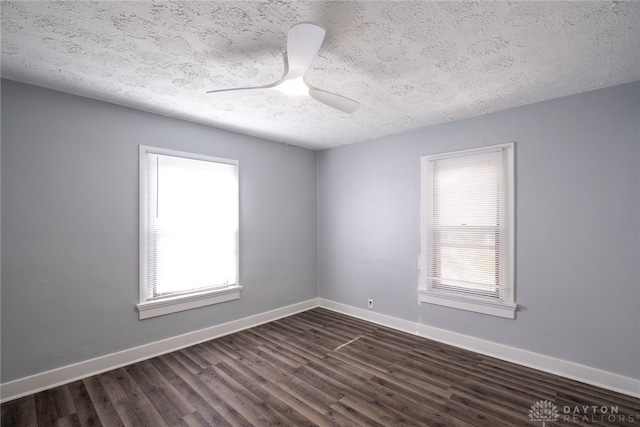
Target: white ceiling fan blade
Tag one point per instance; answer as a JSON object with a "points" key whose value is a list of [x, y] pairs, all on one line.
{"points": [[247, 88], [334, 100], [303, 43]]}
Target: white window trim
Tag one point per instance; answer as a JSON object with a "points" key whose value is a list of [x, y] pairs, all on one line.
{"points": [[485, 307], [162, 306], [186, 302], [507, 307]]}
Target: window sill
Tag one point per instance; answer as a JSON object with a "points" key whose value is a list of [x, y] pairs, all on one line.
{"points": [[187, 302], [485, 307]]}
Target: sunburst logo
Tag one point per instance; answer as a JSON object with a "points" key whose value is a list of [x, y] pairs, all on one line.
{"points": [[544, 411]]}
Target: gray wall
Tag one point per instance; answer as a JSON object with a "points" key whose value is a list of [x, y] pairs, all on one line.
{"points": [[70, 227], [577, 224]]}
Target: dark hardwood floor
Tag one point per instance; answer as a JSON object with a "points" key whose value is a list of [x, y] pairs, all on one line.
{"points": [[321, 368]]}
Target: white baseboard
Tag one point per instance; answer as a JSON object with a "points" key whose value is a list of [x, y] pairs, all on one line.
{"points": [[66, 374], [563, 368]]}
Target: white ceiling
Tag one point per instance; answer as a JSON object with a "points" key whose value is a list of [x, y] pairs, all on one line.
{"points": [[410, 64]]}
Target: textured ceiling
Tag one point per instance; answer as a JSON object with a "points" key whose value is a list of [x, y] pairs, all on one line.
{"points": [[410, 64]]}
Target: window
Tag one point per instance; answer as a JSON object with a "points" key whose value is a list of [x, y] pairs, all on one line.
{"points": [[467, 230], [188, 231]]}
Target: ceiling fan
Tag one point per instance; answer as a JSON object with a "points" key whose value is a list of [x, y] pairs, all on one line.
{"points": [[303, 43]]}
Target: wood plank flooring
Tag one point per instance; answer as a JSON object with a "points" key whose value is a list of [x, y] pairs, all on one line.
{"points": [[320, 368]]}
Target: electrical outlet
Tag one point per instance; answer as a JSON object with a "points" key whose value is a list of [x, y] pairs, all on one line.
{"points": [[370, 303]]}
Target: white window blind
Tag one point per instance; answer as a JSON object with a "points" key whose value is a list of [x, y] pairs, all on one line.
{"points": [[467, 249], [189, 227]]}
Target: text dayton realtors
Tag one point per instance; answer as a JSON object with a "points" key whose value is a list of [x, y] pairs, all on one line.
{"points": [[587, 414]]}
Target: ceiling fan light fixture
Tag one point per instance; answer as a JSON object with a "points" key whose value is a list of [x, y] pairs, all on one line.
{"points": [[303, 43], [293, 87]]}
